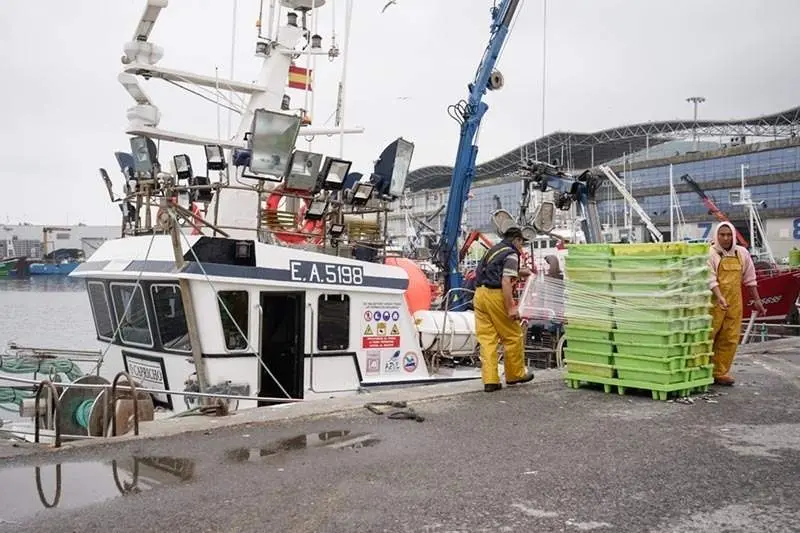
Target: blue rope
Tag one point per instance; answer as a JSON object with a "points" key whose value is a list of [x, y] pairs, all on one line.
{"points": [[82, 413]]}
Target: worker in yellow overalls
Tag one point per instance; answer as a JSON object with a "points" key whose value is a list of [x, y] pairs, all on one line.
{"points": [[496, 313], [731, 267]]}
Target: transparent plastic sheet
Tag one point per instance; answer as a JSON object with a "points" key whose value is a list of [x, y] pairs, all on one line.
{"points": [[655, 287]]}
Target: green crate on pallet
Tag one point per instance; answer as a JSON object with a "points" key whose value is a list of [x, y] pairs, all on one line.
{"points": [[594, 249], [654, 288], [700, 335], [647, 337], [600, 346], [627, 311], [657, 390], [649, 249], [604, 324], [670, 325], [586, 332], [652, 350], [696, 360], [652, 262], [697, 298], [590, 369], [663, 377], [588, 261], [698, 310], [701, 372], [661, 364], [700, 322], [579, 274], [701, 347], [697, 249], [587, 356], [635, 275]]}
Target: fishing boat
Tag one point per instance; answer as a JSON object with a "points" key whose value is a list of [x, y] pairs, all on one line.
{"points": [[266, 280]]}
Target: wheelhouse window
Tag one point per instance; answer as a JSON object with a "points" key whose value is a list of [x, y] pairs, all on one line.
{"points": [[134, 325], [101, 311], [237, 303], [173, 330], [333, 322]]}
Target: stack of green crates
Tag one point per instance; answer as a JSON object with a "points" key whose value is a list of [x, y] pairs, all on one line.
{"points": [[638, 316]]}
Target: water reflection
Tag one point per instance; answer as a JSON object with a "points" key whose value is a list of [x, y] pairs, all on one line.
{"points": [[75, 485], [43, 284], [339, 439]]}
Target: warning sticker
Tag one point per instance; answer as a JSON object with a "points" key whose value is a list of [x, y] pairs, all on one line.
{"points": [[384, 330]]}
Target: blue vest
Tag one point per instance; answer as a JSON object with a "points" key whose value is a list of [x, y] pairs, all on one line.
{"points": [[490, 269]]}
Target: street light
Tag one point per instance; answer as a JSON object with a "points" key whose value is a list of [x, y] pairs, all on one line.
{"points": [[695, 100]]}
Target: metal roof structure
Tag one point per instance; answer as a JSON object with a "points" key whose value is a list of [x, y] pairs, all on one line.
{"points": [[583, 150]]}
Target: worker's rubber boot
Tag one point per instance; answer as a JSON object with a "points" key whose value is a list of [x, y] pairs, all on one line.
{"points": [[528, 377], [491, 387], [725, 380]]}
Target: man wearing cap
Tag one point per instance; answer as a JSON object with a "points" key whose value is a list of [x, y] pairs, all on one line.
{"points": [[496, 313]]}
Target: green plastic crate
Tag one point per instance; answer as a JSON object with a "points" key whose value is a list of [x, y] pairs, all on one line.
{"points": [[637, 362], [647, 337], [698, 310], [700, 322], [650, 249], [655, 288], [648, 274], [701, 347], [586, 332], [650, 262], [587, 356], [701, 359], [651, 376], [595, 249], [701, 372], [701, 335], [578, 274], [598, 346], [670, 325], [585, 262], [591, 323], [590, 369], [697, 249], [627, 312], [651, 350]]}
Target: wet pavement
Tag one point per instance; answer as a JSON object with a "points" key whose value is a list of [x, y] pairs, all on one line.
{"points": [[527, 458]]}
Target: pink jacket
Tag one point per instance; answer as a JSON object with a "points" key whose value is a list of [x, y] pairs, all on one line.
{"points": [[716, 253]]}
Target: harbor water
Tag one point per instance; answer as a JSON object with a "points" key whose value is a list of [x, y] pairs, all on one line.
{"points": [[44, 312]]}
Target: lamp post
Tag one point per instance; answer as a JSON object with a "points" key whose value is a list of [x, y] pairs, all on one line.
{"points": [[695, 100]]}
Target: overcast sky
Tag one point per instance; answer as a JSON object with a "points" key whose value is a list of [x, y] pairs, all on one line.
{"points": [[609, 62]]}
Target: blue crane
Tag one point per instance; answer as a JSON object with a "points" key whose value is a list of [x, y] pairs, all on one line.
{"points": [[469, 114]]}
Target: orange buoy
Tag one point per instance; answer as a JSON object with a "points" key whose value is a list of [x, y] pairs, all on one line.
{"points": [[418, 293]]}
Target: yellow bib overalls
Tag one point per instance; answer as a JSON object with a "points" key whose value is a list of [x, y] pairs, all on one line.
{"points": [[727, 324]]}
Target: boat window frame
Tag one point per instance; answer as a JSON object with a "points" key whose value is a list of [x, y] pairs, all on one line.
{"points": [[136, 286], [246, 326], [111, 313], [323, 297], [155, 316]]}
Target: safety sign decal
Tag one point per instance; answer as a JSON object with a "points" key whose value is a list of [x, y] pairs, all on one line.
{"points": [[381, 327]]}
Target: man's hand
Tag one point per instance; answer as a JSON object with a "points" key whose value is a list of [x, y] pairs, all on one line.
{"points": [[760, 307], [524, 273], [722, 302], [513, 312]]}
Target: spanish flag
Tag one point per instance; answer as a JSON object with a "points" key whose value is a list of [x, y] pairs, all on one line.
{"points": [[298, 77]]}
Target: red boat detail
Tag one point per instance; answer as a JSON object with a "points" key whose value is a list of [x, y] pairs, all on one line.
{"points": [[778, 289]]}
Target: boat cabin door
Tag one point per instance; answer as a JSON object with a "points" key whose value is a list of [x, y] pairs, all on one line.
{"points": [[282, 344]]}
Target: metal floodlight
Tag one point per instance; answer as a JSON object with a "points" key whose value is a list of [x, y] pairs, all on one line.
{"points": [[336, 230], [204, 192], [183, 166], [145, 155], [362, 193], [126, 164], [303, 171], [215, 157], [334, 172], [392, 167], [544, 217], [271, 141], [317, 209]]}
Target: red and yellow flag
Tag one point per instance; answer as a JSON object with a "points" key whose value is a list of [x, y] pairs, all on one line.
{"points": [[298, 77]]}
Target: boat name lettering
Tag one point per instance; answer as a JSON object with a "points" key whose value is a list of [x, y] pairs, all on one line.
{"points": [[769, 300], [146, 373], [326, 273]]}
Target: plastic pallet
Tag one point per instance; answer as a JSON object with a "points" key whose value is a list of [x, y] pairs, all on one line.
{"points": [[659, 392]]}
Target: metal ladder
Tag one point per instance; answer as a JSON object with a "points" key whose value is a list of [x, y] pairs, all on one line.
{"points": [[614, 179]]}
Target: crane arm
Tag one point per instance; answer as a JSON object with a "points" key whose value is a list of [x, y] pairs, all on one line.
{"points": [[469, 115], [712, 207]]}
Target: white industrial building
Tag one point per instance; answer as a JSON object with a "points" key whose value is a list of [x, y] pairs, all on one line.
{"points": [[36, 241]]}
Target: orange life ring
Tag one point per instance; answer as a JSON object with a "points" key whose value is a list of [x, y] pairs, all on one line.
{"points": [[313, 230]]}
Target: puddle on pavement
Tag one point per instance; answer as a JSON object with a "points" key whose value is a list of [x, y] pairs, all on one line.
{"points": [[340, 439], [32, 489]]}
